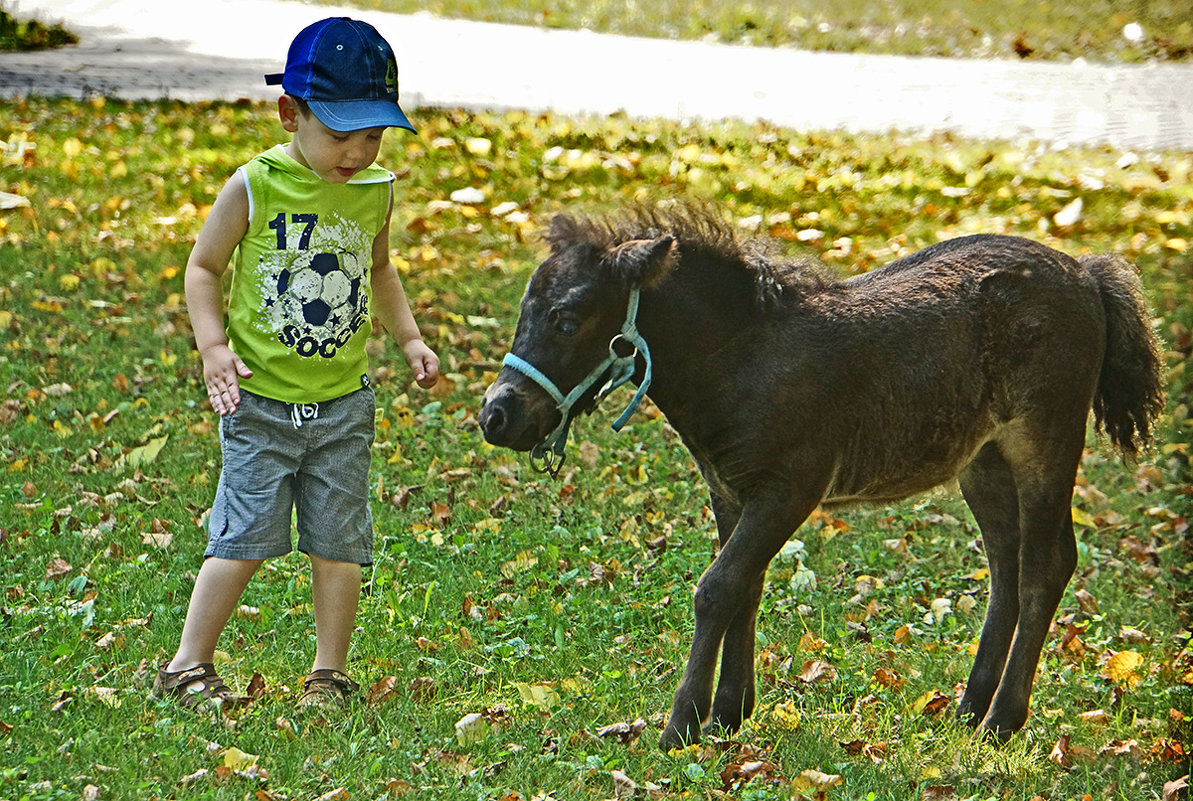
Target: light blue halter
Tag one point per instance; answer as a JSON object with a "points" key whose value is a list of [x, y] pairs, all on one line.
{"points": [[548, 456]]}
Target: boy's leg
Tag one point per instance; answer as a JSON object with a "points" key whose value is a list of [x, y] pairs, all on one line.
{"points": [[335, 590], [218, 588]]}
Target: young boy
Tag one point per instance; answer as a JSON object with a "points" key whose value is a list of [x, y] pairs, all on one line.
{"points": [[309, 225]]}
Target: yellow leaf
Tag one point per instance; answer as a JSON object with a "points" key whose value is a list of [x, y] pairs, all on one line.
{"points": [[541, 695], [1080, 518], [785, 715], [72, 147], [1122, 666], [5, 318], [638, 476], [144, 454], [1177, 244], [490, 525], [816, 781], [471, 728], [235, 759], [477, 146], [519, 564], [68, 282]]}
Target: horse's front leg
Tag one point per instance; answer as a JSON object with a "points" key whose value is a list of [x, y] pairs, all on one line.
{"points": [[734, 698], [727, 595]]}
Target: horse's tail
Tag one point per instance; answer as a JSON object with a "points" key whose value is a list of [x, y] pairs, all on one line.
{"points": [[1130, 391]]}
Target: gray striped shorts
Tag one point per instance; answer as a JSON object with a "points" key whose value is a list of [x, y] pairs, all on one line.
{"points": [[301, 463]]}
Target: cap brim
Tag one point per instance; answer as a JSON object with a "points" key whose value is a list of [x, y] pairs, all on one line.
{"points": [[353, 115]]}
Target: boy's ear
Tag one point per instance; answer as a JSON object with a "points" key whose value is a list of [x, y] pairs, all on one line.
{"points": [[288, 113]]}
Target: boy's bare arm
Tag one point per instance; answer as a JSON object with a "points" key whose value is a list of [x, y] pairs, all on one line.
{"points": [[226, 225], [393, 310]]}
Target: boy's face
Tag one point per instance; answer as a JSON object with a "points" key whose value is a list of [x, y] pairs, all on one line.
{"points": [[334, 156]]}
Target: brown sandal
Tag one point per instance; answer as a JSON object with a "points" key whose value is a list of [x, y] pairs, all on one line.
{"points": [[177, 685], [327, 687]]}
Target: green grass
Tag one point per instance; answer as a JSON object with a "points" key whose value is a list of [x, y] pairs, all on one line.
{"points": [[497, 591], [21, 34], [1061, 30]]}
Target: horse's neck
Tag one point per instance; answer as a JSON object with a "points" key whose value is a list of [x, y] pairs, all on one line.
{"points": [[690, 325]]}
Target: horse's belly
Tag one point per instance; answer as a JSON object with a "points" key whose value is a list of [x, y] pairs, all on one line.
{"points": [[899, 473]]}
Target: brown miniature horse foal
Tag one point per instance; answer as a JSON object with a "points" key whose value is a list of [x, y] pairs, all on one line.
{"points": [[978, 358]]}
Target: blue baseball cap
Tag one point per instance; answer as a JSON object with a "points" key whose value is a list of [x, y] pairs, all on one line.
{"points": [[346, 72]]}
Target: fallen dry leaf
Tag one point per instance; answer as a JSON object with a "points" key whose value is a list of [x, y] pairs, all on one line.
{"points": [[931, 703], [814, 670], [380, 690], [1060, 753], [817, 783], [938, 792], [1087, 602], [1130, 748], [1121, 667], [624, 732], [256, 686], [1176, 790], [875, 752], [739, 773], [623, 785], [338, 794], [57, 568], [422, 689]]}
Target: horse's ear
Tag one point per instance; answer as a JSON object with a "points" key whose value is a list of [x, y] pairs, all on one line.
{"points": [[642, 262]]}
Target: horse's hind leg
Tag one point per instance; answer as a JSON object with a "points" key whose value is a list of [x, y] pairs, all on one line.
{"points": [[1044, 465], [989, 489]]}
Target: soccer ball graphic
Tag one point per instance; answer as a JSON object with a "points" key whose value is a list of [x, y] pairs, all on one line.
{"points": [[321, 302]]}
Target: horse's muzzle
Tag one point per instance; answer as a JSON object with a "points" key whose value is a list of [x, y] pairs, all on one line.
{"points": [[510, 416]]}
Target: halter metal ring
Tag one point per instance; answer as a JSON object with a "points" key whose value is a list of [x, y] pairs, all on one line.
{"points": [[548, 462], [613, 343]]}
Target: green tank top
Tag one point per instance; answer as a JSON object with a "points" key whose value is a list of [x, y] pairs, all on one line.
{"points": [[298, 308]]}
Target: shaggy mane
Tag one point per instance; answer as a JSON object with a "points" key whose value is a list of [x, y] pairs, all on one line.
{"points": [[702, 234]]}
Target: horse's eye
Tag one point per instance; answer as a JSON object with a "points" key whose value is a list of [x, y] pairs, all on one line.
{"points": [[563, 323]]}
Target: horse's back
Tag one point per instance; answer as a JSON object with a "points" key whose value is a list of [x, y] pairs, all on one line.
{"points": [[961, 343]]}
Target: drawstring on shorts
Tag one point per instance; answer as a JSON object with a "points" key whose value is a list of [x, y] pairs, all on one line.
{"points": [[303, 411]]}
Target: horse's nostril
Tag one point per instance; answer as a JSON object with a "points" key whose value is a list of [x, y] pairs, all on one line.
{"points": [[492, 419]]}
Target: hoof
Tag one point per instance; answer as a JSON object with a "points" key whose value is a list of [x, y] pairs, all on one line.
{"points": [[994, 734], [721, 728], [968, 717], [673, 738]]}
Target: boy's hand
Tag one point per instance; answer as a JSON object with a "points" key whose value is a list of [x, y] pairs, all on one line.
{"points": [[222, 371], [423, 362]]}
